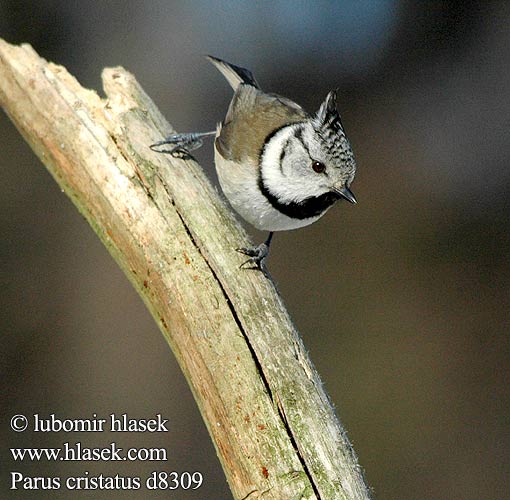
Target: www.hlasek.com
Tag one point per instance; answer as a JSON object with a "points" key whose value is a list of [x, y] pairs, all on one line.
{"points": [[69, 451]]}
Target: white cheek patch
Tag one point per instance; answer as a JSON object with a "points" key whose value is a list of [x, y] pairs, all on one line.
{"points": [[287, 188]]}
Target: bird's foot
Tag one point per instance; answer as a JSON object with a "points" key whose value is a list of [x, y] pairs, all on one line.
{"points": [[181, 144], [257, 256]]}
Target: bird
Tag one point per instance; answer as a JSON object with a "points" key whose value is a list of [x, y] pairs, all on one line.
{"points": [[280, 167]]}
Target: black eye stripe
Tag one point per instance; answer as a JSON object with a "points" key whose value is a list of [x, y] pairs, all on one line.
{"points": [[283, 152], [317, 166], [268, 139], [298, 134]]}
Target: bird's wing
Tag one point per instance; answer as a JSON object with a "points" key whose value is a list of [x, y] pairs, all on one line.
{"points": [[252, 116]]}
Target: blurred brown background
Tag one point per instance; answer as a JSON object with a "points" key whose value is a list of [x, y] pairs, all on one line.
{"points": [[403, 300]]}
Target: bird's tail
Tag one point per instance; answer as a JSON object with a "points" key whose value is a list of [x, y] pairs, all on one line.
{"points": [[234, 74]]}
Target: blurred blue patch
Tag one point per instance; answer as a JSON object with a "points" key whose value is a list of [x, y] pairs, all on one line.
{"points": [[353, 35]]}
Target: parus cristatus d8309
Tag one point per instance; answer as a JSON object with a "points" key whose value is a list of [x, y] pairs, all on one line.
{"points": [[279, 167]]}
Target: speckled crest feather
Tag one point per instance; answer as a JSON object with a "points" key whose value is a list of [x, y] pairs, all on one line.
{"points": [[328, 125]]}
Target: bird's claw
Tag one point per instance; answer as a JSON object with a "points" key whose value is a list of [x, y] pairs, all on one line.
{"points": [[257, 256], [182, 143]]}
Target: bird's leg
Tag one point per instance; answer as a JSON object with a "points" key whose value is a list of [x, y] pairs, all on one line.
{"points": [[181, 144], [257, 254]]}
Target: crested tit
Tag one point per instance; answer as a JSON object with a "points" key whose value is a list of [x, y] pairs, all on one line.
{"points": [[279, 167]]}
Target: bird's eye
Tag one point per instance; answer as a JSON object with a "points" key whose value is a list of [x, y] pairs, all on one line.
{"points": [[318, 166]]}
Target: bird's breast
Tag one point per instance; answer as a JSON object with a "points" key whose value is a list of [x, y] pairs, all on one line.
{"points": [[241, 186]]}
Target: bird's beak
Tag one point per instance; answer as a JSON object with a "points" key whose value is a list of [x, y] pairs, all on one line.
{"points": [[346, 193]]}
